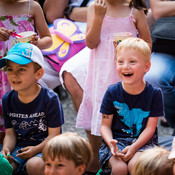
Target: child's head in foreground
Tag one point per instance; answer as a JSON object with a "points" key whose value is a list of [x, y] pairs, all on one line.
{"points": [[172, 154], [133, 58], [153, 161], [67, 153], [25, 61]]}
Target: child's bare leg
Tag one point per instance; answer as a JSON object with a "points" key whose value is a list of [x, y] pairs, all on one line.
{"points": [[132, 161], [35, 166], [95, 142], [118, 166], [73, 88]]}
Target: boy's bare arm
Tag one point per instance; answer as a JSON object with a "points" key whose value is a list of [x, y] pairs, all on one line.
{"points": [[144, 137], [30, 151], [52, 132], [105, 129], [107, 135], [9, 141]]}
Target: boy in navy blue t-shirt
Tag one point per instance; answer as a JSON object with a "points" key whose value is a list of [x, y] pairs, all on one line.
{"points": [[130, 109], [32, 114]]}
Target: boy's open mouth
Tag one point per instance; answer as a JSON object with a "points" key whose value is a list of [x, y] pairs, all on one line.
{"points": [[127, 74]]}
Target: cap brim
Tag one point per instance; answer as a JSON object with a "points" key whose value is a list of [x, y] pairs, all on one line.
{"points": [[14, 58]]}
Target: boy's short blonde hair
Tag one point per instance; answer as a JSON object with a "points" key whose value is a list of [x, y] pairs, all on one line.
{"points": [[137, 44], [153, 161], [70, 146]]}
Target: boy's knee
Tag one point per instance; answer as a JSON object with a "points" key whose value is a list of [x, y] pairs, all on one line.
{"points": [[130, 166], [120, 169], [35, 166]]}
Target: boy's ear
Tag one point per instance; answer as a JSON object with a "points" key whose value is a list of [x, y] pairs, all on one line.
{"points": [[147, 66], [81, 169], [39, 73]]}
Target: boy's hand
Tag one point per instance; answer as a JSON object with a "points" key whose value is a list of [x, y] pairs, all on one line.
{"points": [[114, 148], [26, 152], [34, 39], [10, 158], [100, 8], [4, 34], [128, 152], [5, 152]]}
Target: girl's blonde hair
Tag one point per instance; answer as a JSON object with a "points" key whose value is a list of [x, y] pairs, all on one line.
{"points": [[137, 44], [69, 146], [153, 161]]}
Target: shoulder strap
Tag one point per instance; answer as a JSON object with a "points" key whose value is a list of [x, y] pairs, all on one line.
{"points": [[132, 9], [84, 3], [28, 10]]}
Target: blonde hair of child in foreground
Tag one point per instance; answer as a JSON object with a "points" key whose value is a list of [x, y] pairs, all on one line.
{"points": [[137, 44], [67, 149], [153, 161]]}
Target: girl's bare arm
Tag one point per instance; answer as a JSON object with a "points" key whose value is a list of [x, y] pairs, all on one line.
{"points": [[45, 40], [96, 13], [142, 26]]}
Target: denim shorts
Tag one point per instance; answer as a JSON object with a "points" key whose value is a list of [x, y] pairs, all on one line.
{"points": [[20, 162], [105, 152]]}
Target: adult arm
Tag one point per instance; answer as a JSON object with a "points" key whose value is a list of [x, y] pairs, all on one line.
{"points": [[162, 8], [79, 14], [150, 18], [54, 9]]}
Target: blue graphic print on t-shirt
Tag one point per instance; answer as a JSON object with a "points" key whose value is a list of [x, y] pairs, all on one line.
{"points": [[131, 117]]}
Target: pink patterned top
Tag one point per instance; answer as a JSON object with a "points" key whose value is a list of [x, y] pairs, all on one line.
{"points": [[17, 24]]}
